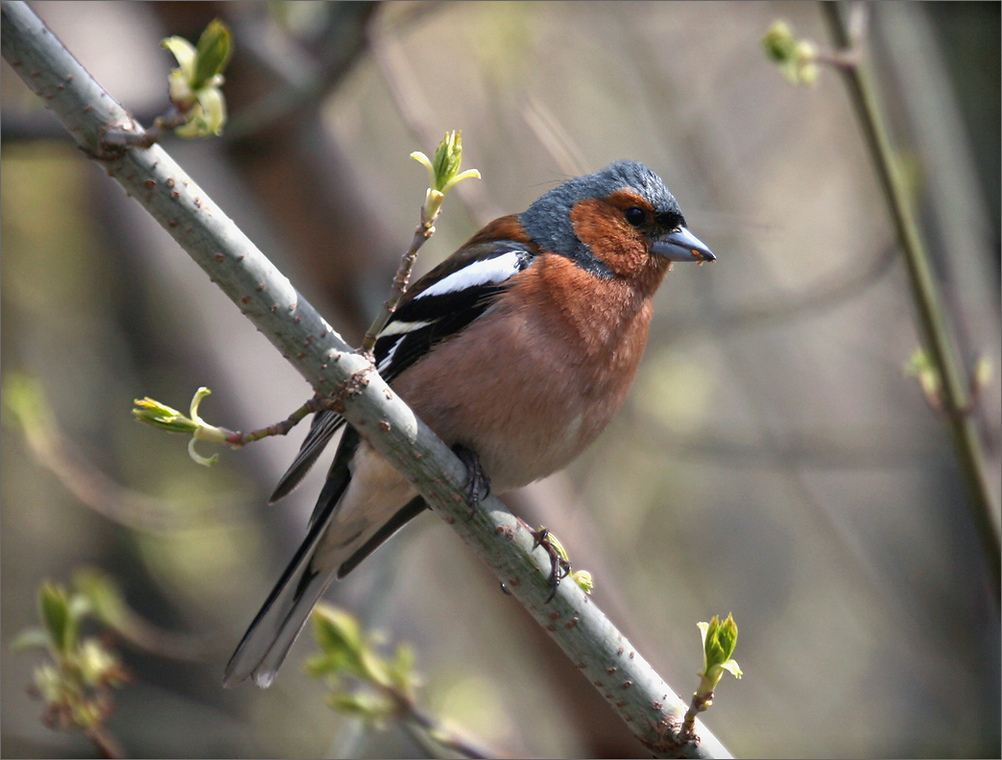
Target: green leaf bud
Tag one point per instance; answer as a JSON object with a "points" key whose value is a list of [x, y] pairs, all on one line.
{"points": [[778, 42], [212, 54], [54, 606], [719, 641]]}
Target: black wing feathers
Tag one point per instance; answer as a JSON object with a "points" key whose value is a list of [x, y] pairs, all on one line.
{"points": [[325, 424]]}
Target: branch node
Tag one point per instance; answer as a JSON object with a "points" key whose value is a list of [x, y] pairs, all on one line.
{"points": [[352, 386]]}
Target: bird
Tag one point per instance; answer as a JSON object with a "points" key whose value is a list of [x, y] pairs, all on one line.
{"points": [[517, 350]]}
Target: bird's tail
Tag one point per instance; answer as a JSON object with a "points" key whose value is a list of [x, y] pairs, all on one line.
{"points": [[267, 642], [272, 633], [346, 526], [269, 638]]}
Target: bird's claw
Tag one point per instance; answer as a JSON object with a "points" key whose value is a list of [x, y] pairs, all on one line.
{"points": [[477, 477], [560, 567]]}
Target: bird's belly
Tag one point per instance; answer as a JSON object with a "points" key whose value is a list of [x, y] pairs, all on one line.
{"points": [[529, 438], [515, 457], [525, 416]]}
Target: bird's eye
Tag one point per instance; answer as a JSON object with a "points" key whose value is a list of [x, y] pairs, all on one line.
{"points": [[635, 216]]}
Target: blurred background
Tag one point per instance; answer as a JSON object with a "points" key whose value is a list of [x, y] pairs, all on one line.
{"points": [[773, 461]]}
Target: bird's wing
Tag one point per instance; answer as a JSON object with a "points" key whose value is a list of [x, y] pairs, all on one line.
{"points": [[446, 300], [325, 424], [437, 306]]}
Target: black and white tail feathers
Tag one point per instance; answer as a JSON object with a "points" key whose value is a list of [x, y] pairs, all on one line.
{"points": [[286, 610]]}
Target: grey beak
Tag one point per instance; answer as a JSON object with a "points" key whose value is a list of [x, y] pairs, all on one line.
{"points": [[682, 245]]}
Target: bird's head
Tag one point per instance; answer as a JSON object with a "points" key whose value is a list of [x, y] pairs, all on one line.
{"points": [[620, 221]]}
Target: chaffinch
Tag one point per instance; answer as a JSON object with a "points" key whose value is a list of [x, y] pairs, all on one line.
{"points": [[517, 350]]}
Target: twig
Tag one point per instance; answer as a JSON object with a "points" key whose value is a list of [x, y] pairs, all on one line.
{"points": [[422, 235], [106, 744], [162, 126], [443, 175], [427, 731], [266, 297], [239, 439], [89, 484], [698, 704]]}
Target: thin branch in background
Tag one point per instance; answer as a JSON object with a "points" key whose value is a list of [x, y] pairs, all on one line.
{"points": [[418, 116], [433, 736], [308, 79], [851, 283], [106, 744], [932, 318], [109, 605], [553, 136]]}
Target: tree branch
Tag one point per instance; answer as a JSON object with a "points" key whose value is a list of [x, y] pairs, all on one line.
{"points": [[266, 297]]}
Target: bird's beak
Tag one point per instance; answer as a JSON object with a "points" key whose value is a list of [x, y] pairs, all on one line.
{"points": [[682, 245]]}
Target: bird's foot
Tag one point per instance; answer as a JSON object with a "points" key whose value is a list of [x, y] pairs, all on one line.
{"points": [[560, 566], [478, 479]]}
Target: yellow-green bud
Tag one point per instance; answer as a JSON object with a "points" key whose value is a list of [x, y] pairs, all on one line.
{"points": [[443, 172], [719, 641], [778, 42], [584, 580]]}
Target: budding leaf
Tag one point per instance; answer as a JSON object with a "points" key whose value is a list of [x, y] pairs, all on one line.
{"points": [[32, 638], [797, 59], [103, 595], [982, 374], [367, 706], [98, 665], [448, 157], [159, 415], [54, 605], [184, 53], [213, 53], [154, 413], [341, 643], [719, 641], [347, 651], [209, 117], [422, 159], [443, 171], [403, 676], [584, 580], [195, 84]]}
